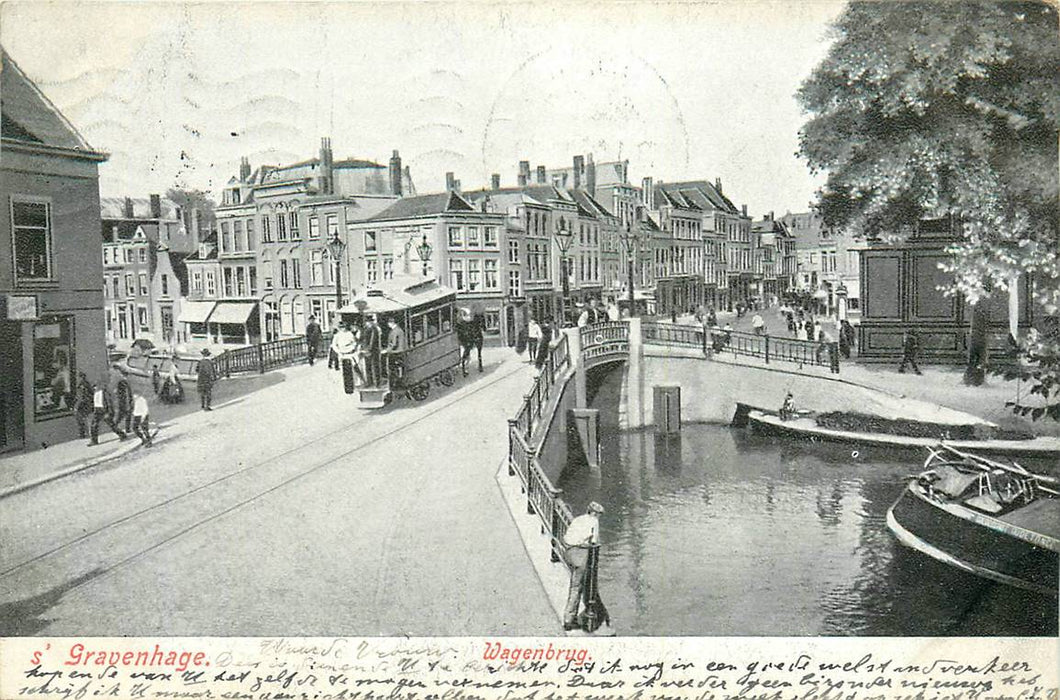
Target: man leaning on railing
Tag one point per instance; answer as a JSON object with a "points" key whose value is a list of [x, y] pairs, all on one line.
{"points": [[582, 534]]}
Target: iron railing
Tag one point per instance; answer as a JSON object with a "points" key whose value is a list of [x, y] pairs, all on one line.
{"points": [[269, 355], [765, 347]]}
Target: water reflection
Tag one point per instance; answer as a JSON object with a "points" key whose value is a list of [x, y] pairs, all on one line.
{"points": [[716, 531]]}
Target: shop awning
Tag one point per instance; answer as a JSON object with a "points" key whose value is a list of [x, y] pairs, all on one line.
{"points": [[195, 311], [232, 312]]}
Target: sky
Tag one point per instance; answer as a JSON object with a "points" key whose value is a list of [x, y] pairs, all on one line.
{"points": [[177, 93]]}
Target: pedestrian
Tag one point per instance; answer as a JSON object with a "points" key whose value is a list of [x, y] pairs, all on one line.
{"points": [[345, 347], [613, 313], [595, 313], [533, 337], [824, 339], [800, 331], [810, 329], [333, 353], [123, 398], [141, 420], [102, 411], [372, 347], [758, 324], [582, 534], [312, 338], [712, 317], [910, 349], [673, 315], [207, 375], [172, 389], [83, 404], [544, 344], [583, 318], [156, 380], [847, 338]]}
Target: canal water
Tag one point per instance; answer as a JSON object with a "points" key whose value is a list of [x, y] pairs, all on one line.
{"points": [[721, 532]]}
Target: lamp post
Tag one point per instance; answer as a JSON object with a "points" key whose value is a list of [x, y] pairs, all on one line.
{"points": [[335, 248], [629, 238], [424, 251], [564, 239]]}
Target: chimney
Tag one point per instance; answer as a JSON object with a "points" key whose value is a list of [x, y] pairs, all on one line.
{"points": [[769, 216], [744, 208], [450, 182], [647, 193], [156, 206], [193, 228], [244, 169], [495, 181], [590, 176], [524, 173], [717, 184], [128, 208], [326, 179], [579, 167], [625, 172], [395, 174], [541, 175]]}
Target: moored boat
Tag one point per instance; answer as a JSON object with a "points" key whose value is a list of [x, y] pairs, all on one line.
{"points": [[994, 520]]}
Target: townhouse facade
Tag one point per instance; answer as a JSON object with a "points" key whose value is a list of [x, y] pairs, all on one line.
{"points": [[273, 263], [144, 243], [828, 262]]}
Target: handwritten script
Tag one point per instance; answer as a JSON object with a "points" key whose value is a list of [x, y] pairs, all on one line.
{"points": [[512, 669]]}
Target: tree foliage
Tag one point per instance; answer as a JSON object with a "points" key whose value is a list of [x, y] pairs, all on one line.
{"points": [[927, 109]]}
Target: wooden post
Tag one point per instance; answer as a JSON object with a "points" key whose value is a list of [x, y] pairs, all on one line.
{"points": [[261, 358], [512, 425], [767, 349]]}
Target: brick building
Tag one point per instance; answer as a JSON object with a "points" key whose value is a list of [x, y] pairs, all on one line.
{"points": [[51, 320]]}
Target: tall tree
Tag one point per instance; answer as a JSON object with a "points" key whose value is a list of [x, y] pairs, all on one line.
{"points": [[927, 109]]}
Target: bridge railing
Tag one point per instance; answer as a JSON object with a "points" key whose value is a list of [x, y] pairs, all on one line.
{"points": [[543, 498], [765, 347], [268, 355]]}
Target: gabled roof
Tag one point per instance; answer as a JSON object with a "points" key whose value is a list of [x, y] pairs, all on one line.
{"points": [[29, 116], [126, 230], [714, 198], [424, 205]]}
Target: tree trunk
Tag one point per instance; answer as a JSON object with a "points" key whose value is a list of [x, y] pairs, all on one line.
{"points": [[978, 352]]}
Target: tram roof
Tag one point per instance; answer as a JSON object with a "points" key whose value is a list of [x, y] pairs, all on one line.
{"points": [[397, 298]]}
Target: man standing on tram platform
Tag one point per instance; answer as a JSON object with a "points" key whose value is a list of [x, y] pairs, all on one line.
{"points": [[372, 347]]}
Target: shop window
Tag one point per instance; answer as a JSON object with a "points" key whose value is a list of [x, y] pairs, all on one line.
{"points": [[493, 321], [53, 367]]}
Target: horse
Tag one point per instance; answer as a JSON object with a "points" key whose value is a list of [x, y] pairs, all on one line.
{"points": [[469, 331]]}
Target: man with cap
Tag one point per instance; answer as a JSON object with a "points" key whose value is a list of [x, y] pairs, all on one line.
{"points": [[312, 338], [582, 533], [206, 377]]}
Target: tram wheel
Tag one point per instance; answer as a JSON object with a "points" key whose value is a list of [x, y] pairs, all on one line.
{"points": [[420, 391], [446, 378]]}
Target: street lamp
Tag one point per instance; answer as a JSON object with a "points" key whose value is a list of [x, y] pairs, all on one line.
{"points": [[564, 239], [424, 251], [629, 238], [335, 248]]}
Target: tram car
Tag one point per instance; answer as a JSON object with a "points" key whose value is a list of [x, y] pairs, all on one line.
{"points": [[426, 313]]}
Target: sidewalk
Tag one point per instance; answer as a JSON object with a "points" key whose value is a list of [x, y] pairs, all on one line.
{"points": [[23, 470]]}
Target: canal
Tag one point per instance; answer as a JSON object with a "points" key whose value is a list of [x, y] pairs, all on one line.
{"points": [[721, 532]]}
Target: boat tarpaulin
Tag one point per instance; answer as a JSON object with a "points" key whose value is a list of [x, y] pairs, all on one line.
{"points": [[232, 312], [196, 311]]}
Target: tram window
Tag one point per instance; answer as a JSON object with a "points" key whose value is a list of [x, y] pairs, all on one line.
{"points": [[418, 327], [432, 324], [447, 318]]}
